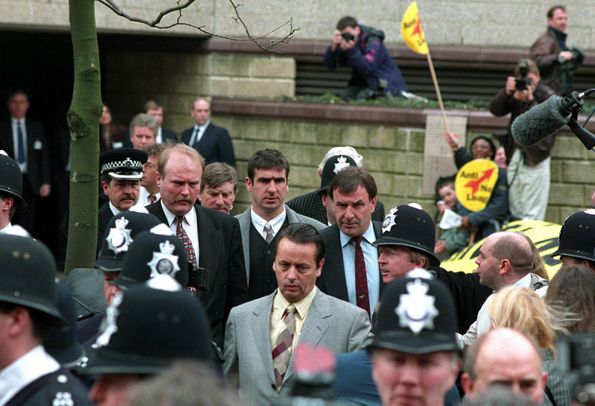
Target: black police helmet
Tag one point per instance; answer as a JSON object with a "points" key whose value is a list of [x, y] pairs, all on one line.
{"points": [[123, 163], [11, 180], [119, 234], [333, 166], [60, 342], [417, 315], [577, 236], [27, 274], [410, 226], [154, 252], [148, 327]]}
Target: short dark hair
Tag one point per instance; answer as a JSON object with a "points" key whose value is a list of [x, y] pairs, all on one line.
{"points": [[218, 173], [349, 179], [489, 141], [41, 322], [301, 233], [155, 149], [345, 22], [266, 159], [16, 92], [552, 10]]}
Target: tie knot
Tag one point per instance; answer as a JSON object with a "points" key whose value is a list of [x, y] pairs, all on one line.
{"points": [[290, 310], [179, 220], [357, 240]]}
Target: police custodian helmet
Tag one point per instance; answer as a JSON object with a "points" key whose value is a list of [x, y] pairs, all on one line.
{"points": [[148, 327], [417, 315], [408, 225], [27, 274], [577, 236], [11, 180]]}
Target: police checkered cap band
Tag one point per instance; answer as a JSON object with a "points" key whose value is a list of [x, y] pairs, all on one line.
{"points": [[128, 164]]}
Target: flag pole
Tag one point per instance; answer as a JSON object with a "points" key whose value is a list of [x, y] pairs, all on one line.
{"points": [[437, 88]]}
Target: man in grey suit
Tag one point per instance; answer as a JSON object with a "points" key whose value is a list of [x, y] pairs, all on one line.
{"points": [[261, 335], [267, 182]]}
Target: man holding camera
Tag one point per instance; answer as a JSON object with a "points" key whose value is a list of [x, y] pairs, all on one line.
{"points": [[362, 48], [555, 60], [528, 167]]}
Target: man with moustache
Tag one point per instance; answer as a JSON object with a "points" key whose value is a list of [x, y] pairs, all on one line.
{"points": [[212, 240]]}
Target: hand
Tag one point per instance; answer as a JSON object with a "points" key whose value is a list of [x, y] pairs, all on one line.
{"points": [[336, 41], [441, 206], [44, 190], [439, 247], [565, 55], [466, 224], [452, 140], [510, 86]]}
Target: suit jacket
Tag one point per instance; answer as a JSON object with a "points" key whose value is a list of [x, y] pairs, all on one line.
{"points": [[220, 247], [214, 146], [332, 279], [331, 323], [38, 160], [245, 220], [310, 204], [168, 135]]}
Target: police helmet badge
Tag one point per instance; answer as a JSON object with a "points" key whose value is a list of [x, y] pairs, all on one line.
{"points": [[416, 309], [164, 262], [389, 220], [109, 326], [341, 164], [119, 237]]}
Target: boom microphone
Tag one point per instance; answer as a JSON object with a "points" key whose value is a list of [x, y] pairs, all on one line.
{"points": [[534, 125]]}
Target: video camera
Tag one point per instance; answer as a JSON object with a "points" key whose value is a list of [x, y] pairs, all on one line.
{"points": [[522, 81]]}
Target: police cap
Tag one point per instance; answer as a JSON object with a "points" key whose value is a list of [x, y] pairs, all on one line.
{"points": [[123, 163], [577, 236], [11, 180]]}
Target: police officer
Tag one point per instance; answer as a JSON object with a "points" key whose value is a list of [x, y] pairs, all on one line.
{"points": [[415, 357], [11, 199], [120, 175], [577, 240], [407, 242], [28, 375], [147, 328]]}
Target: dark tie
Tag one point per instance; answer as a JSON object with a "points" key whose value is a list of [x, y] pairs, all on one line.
{"points": [[181, 233], [268, 233], [195, 136], [152, 199], [361, 282], [20, 143], [282, 348]]}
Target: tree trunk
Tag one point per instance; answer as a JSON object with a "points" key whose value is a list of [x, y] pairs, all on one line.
{"points": [[83, 121]]}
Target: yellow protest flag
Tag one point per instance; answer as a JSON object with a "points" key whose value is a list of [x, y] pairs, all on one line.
{"points": [[411, 30]]}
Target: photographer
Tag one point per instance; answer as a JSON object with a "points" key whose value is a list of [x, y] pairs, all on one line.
{"points": [[529, 167], [555, 60], [362, 48]]}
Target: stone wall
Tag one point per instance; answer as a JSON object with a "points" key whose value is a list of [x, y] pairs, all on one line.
{"points": [[445, 22], [394, 155]]}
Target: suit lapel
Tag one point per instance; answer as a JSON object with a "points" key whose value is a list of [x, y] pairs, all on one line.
{"points": [[206, 135], [314, 328], [334, 271], [209, 241], [262, 333], [245, 220]]}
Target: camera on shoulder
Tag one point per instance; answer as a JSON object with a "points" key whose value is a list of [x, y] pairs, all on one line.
{"points": [[347, 36]]}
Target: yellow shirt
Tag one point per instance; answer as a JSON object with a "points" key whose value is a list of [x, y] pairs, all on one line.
{"points": [[279, 306]]}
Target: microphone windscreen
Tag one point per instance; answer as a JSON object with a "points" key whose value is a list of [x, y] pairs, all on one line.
{"points": [[534, 125]]}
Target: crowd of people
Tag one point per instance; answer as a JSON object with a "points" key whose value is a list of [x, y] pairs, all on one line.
{"points": [[321, 297]]}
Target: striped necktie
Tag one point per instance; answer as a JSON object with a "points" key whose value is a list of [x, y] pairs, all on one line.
{"points": [[282, 348]]}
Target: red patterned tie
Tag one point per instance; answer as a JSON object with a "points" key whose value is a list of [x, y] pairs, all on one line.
{"points": [[361, 282], [282, 349], [152, 198], [181, 233]]}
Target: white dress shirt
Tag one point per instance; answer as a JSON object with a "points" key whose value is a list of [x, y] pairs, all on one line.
{"points": [[190, 225], [196, 136], [259, 223]]}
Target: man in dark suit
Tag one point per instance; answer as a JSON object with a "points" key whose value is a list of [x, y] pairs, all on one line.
{"points": [[318, 204], [350, 269], [212, 142], [212, 239], [24, 140], [261, 335], [162, 135]]}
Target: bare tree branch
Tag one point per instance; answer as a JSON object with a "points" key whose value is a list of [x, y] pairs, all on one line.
{"points": [[184, 4]]}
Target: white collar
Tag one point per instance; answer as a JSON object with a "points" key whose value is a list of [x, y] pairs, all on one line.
{"points": [[115, 211], [524, 282], [23, 371], [190, 216], [202, 127], [369, 235], [275, 222]]}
